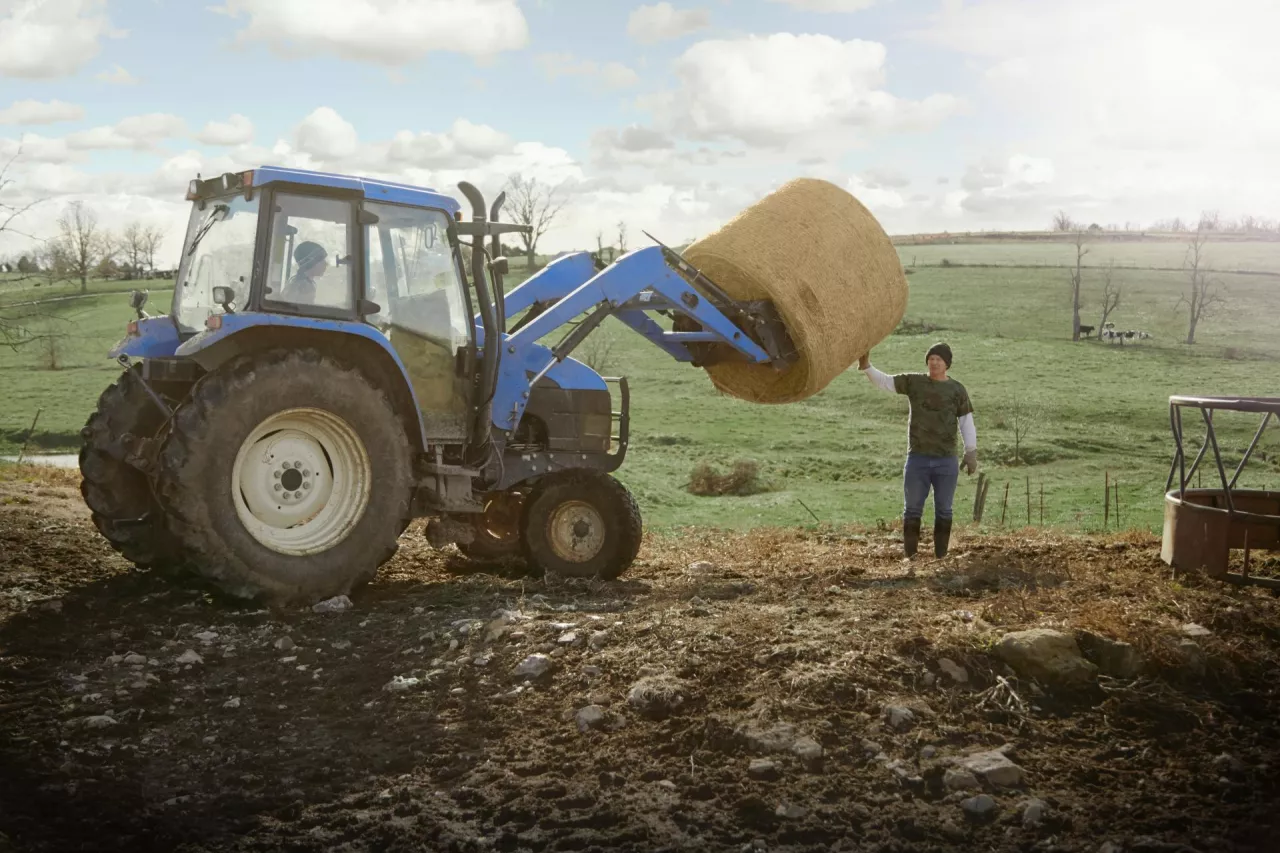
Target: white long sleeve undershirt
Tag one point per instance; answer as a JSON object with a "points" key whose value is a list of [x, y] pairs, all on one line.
{"points": [[968, 432]]}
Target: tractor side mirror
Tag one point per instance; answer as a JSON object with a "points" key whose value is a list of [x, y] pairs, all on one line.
{"points": [[225, 297], [499, 266], [367, 307]]}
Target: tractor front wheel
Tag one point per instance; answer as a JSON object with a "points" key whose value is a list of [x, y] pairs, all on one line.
{"points": [[581, 524], [287, 475]]}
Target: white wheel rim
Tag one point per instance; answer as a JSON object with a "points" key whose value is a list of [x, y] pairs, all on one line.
{"points": [[576, 531], [322, 461]]}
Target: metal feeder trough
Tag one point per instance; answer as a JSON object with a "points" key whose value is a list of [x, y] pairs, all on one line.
{"points": [[1203, 525]]}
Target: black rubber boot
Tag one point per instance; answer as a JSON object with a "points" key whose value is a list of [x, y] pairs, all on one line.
{"points": [[941, 537], [910, 536]]}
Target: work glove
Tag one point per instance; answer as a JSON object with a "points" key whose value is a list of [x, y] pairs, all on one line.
{"points": [[970, 463]]}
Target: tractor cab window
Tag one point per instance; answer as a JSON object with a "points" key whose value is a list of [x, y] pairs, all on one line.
{"points": [[217, 251], [411, 272], [310, 258]]}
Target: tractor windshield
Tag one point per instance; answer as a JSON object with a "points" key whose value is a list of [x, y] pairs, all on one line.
{"points": [[218, 250]]}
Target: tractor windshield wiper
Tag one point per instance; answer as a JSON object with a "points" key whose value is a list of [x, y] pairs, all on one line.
{"points": [[208, 223]]}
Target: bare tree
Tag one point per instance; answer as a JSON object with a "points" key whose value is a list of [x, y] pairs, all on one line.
{"points": [[83, 243], [534, 204], [1111, 290], [1209, 221], [152, 237], [1076, 277], [622, 237], [600, 244], [1024, 416], [1205, 295], [133, 247], [597, 350], [16, 320], [1062, 222]]}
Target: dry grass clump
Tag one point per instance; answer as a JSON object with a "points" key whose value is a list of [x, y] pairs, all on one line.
{"points": [[741, 480]]}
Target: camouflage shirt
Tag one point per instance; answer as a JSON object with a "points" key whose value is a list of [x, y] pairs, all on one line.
{"points": [[936, 408]]}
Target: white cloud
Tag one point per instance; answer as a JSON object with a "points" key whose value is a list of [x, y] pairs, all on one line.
{"points": [[662, 21], [43, 39], [326, 135], [773, 89], [828, 5], [237, 130], [40, 112], [1139, 105], [463, 144], [137, 132], [384, 32], [884, 176], [117, 76], [33, 148], [610, 75]]}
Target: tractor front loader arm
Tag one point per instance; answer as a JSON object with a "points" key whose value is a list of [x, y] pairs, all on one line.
{"points": [[638, 283]]}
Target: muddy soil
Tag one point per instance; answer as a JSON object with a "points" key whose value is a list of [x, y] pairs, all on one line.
{"points": [[783, 690]]}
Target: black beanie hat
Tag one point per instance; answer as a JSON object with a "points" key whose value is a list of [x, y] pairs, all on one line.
{"points": [[939, 349], [308, 254]]}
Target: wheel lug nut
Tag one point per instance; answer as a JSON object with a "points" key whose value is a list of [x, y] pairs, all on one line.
{"points": [[306, 472], [286, 465], [297, 494], [277, 487], [277, 473], [306, 485]]}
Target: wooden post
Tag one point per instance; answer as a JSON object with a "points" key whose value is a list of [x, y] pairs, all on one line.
{"points": [[1117, 502], [1042, 504], [1028, 500], [977, 498], [30, 433], [1106, 501], [1004, 507]]}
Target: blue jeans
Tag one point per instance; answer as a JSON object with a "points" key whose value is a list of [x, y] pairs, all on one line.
{"points": [[919, 475]]}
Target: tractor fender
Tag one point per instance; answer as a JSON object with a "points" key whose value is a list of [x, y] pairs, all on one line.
{"points": [[359, 344], [155, 337]]}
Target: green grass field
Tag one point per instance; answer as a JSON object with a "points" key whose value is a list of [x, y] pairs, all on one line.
{"points": [[1101, 408], [1223, 255]]}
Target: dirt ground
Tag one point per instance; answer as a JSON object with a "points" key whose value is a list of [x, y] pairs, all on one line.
{"points": [[780, 690]]}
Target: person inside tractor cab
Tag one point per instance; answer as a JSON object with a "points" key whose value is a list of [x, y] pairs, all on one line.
{"points": [[311, 259]]}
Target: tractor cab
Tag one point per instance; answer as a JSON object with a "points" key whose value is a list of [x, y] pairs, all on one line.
{"points": [[338, 250]]}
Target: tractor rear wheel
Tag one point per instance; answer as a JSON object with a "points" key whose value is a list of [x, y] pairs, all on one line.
{"points": [[581, 524], [119, 496], [287, 475]]}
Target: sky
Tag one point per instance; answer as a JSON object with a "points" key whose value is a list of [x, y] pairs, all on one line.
{"points": [[670, 117]]}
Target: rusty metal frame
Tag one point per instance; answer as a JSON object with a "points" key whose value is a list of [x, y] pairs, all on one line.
{"points": [[1202, 526]]}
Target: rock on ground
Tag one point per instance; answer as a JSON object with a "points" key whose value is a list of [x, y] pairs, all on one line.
{"points": [[1113, 657], [1033, 812], [534, 666], [953, 670], [656, 695], [994, 767], [979, 806], [958, 779], [1046, 655], [762, 768]]}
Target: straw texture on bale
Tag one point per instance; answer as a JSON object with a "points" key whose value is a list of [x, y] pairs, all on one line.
{"points": [[830, 270]]}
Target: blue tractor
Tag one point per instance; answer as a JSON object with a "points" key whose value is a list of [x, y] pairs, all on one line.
{"points": [[339, 359]]}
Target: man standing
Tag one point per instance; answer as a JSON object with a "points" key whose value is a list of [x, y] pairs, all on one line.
{"points": [[938, 405]]}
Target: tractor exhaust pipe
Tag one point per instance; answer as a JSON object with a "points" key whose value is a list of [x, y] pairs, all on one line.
{"points": [[489, 313]]}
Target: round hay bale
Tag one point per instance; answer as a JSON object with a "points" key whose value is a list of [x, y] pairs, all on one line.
{"points": [[830, 270]]}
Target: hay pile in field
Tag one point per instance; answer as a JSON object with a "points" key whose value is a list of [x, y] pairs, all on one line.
{"points": [[829, 268]]}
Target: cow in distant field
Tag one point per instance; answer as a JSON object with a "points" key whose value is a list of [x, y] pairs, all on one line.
{"points": [[1086, 331], [1112, 335]]}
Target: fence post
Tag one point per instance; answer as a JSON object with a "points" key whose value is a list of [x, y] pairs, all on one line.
{"points": [[1042, 504], [27, 440], [1106, 501], [1028, 500], [1004, 507], [977, 498]]}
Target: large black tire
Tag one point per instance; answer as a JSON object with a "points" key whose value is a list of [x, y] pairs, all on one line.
{"points": [[119, 496], [581, 524], [198, 485]]}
